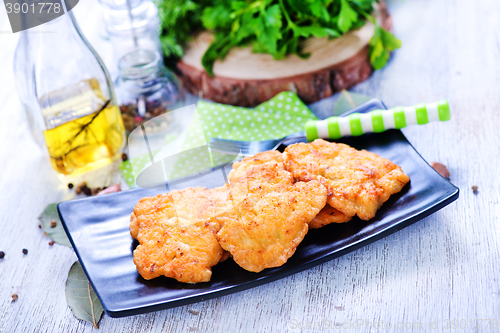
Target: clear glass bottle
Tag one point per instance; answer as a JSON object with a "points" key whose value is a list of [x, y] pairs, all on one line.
{"points": [[131, 25], [146, 89], [68, 97]]}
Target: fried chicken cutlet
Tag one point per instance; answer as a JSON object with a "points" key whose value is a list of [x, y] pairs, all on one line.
{"points": [[326, 216], [358, 182], [272, 212], [177, 233]]}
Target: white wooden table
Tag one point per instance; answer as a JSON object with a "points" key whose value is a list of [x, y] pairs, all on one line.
{"points": [[442, 268]]}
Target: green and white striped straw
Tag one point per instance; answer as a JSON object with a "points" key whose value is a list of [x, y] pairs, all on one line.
{"points": [[377, 121]]}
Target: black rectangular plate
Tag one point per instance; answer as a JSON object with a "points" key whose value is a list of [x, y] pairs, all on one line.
{"points": [[98, 228]]}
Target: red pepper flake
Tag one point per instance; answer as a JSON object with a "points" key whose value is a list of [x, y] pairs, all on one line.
{"points": [[474, 189], [51, 243], [14, 297], [53, 223]]}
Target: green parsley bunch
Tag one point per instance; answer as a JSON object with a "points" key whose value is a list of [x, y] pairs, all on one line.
{"points": [[268, 26]]}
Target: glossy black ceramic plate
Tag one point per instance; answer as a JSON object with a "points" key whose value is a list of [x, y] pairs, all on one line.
{"points": [[98, 228]]}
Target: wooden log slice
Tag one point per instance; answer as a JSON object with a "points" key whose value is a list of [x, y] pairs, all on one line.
{"points": [[248, 79]]}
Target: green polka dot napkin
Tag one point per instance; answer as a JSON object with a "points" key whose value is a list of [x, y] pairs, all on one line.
{"points": [[282, 115]]}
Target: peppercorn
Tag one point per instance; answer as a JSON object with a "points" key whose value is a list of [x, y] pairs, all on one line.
{"points": [[70, 186], [87, 191], [53, 223], [81, 188], [2, 254], [51, 243], [441, 169], [124, 157], [25, 251], [14, 297], [39, 226]]}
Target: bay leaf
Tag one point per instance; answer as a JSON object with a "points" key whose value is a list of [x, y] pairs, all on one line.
{"points": [[348, 100], [57, 233], [81, 297]]}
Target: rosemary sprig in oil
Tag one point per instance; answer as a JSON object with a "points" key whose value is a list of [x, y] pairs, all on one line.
{"points": [[82, 129]]}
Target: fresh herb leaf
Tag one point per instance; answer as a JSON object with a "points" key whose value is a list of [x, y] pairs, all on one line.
{"points": [[267, 29], [381, 44], [179, 20], [217, 16], [219, 48], [316, 31], [390, 42], [347, 16]]}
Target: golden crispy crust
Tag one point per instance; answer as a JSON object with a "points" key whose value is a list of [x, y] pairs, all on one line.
{"points": [[358, 182], [328, 215], [272, 213], [134, 226], [266, 156], [176, 233]]}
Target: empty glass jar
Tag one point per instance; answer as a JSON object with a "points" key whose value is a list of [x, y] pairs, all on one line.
{"points": [[131, 25]]}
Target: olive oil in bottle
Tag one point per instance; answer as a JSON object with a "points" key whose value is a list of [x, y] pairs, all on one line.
{"points": [[70, 102], [84, 131]]}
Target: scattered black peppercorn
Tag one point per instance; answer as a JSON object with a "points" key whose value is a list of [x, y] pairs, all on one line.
{"points": [[39, 226], [14, 297], [51, 243], [84, 189], [25, 251], [2, 254], [53, 223], [70, 186], [87, 191], [474, 188], [124, 157]]}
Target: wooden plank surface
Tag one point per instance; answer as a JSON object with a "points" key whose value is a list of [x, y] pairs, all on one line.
{"points": [[442, 268]]}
